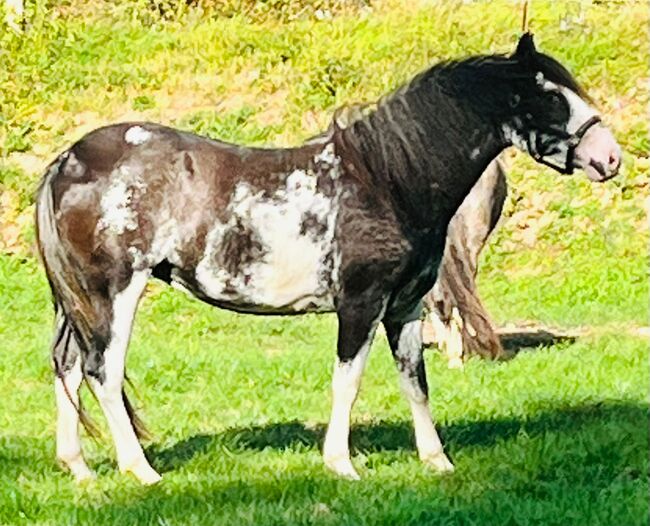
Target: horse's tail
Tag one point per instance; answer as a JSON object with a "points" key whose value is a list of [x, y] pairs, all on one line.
{"points": [[71, 335], [65, 352], [80, 328]]}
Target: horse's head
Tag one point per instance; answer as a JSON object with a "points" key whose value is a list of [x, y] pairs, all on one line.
{"points": [[553, 120]]}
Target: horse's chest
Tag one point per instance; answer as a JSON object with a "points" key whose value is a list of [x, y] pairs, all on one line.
{"points": [[274, 253]]}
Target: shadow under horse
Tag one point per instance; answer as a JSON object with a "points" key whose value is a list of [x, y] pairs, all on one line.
{"points": [[387, 435]]}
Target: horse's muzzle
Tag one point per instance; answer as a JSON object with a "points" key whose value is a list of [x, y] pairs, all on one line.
{"points": [[598, 154]]}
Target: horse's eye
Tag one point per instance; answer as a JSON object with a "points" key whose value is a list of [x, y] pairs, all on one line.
{"points": [[555, 98]]}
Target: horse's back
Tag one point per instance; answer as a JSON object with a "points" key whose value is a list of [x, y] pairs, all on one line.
{"points": [[250, 229]]}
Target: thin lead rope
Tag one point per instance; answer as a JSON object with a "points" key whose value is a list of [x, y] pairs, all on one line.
{"points": [[525, 18]]}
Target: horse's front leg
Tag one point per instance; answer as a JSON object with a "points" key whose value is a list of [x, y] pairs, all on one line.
{"points": [[405, 339], [357, 325]]}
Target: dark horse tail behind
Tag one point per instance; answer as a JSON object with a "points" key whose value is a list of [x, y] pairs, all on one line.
{"points": [[74, 333]]}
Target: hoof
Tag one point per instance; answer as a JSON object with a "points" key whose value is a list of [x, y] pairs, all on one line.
{"points": [[84, 476], [79, 469], [343, 468], [143, 472], [455, 363], [439, 462]]}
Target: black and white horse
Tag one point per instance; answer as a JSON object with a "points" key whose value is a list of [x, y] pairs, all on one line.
{"points": [[352, 222]]}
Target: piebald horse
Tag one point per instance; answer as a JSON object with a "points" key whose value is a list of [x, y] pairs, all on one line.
{"points": [[353, 222]]}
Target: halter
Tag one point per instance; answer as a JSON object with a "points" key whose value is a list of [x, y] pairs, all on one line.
{"points": [[572, 139]]}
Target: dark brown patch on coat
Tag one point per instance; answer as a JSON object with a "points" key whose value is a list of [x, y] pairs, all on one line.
{"points": [[239, 248], [77, 227], [313, 226], [102, 149], [188, 164]]}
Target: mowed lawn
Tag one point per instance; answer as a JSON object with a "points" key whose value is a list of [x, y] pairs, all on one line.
{"points": [[237, 405]]}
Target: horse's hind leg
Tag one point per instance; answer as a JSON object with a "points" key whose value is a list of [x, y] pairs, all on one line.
{"points": [[67, 362], [105, 373]]}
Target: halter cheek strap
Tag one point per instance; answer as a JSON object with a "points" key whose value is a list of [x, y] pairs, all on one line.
{"points": [[573, 140]]}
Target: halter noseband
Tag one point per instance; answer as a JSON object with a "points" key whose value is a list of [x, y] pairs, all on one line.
{"points": [[572, 139]]}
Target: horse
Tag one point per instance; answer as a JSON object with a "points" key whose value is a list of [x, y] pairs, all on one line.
{"points": [[353, 222], [456, 321]]}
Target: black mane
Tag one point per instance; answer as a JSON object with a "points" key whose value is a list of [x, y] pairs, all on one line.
{"points": [[398, 137]]}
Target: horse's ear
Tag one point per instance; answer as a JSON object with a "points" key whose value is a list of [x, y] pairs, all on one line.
{"points": [[525, 48]]}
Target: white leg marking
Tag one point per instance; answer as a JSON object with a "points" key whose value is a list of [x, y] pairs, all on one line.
{"points": [[345, 387], [426, 438], [346, 381], [68, 445], [130, 456]]}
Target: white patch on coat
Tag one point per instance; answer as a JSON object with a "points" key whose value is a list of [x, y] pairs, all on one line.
{"points": [[579, 113], [137, 135], [76, 195], [73, 167], [327, 156], [291, 274], [117, 214], [116, 204], [166, 238], [512, 136], [137, 257], [475, 153]]}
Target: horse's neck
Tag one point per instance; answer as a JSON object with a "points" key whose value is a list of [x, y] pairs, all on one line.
{"points": [[459, 156], [456, 147]]}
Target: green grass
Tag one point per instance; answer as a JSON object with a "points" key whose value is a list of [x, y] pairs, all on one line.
{"points": [[238, 404]]}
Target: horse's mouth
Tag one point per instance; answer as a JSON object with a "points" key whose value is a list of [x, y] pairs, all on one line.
{"points": [[596, 172]]}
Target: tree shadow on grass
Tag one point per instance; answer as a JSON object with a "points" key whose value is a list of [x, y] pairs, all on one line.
{"points": [[383, 436]]}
